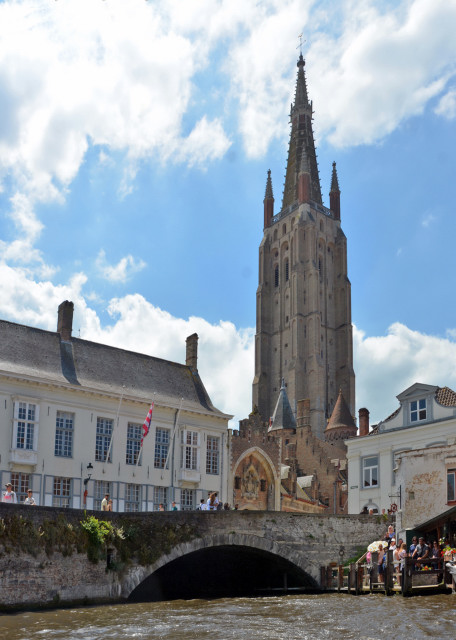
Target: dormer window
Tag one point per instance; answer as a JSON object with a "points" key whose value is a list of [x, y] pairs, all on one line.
{"points": [[418, 410]]}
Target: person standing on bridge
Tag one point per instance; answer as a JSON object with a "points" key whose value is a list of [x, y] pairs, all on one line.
{"points": [[9, 496], [212, 502]]}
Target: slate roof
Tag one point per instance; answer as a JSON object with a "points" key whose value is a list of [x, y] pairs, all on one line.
{"points": [[26, 351], [283, 417], [341, 416]]}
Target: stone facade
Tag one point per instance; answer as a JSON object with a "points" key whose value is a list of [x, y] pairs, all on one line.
{"points": [[304, 330], [289, 468]]}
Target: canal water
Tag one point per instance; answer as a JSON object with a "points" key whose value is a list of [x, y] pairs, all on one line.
{"points": [[312, 617]]}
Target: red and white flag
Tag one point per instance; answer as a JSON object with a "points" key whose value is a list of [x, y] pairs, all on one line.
{"points": [[146, 425]]}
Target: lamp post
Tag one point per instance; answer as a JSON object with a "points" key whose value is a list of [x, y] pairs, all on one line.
{"points": [[86, 482]]}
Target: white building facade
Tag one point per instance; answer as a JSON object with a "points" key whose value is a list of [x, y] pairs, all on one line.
{"points": [[426, 418], [71, 423]]}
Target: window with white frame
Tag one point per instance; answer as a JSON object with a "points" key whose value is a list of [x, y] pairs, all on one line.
{"points": [[132, 497], [188, 498], [101, 488], [103, 440], [64, 423], [61, 492], [451, 485], [20, 482], [25, 432], [161, 447], [189, 457], [212, 455], [370, 472], [418, 410], [134, 433], [160, 497]]}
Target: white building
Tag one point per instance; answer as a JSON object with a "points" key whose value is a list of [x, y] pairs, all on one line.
{"points": [[425, 418], [71, 416]]}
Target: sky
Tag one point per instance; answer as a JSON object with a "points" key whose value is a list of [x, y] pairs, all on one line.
{"points": [[135, 139]]}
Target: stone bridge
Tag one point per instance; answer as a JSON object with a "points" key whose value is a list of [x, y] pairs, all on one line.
{"points": [[224, 553]]}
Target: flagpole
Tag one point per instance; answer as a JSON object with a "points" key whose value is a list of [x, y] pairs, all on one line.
{"points": [[173, 434], [142, 438], [115, 423]]}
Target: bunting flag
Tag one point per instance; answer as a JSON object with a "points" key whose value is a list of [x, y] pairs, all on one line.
{"points": [[146, 425]]}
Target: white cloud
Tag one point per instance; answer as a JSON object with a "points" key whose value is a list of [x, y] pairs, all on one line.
{"points": [[447, 105], [383, 67], [428, 219], [386, 365], [120, 272]]}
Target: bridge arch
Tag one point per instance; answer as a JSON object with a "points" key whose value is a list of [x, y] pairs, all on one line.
{"points": [[249, 564]]}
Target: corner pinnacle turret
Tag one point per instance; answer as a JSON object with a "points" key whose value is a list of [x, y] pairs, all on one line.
{"points": [[334, 194], [301, 151], [268, 201]]}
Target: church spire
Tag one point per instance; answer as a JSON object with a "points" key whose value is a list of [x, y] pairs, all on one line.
{"points": [[334, 194], [301, 151], [268, 201]]}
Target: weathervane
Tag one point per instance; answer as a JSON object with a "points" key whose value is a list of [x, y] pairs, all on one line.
{"points": [[300, 43]]}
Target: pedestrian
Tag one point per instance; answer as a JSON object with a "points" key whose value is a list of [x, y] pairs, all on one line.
{"points": [[9, 495], [202, 505], [161, 507], [173, 506], [30, 499], [104, 502], [109, 505]]}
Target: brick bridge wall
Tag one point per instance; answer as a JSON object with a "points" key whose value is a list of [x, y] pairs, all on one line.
{"points": [[306, 540]]}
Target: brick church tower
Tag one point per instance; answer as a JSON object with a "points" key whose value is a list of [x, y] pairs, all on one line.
{"points": [[304, 329]]}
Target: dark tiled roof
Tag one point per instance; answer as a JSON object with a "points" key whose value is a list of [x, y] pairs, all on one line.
{"points": [[283, 417], [446, 397], [30, 352], [393, 415], [341, 416]]}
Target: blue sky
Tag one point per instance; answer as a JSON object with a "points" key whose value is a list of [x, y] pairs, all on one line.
{"points": [[134, 143]]}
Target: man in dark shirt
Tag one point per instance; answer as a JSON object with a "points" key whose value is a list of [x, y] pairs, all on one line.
{"points": [[421, 552]]}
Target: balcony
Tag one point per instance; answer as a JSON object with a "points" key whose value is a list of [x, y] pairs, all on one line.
{"points": [[189, 476], [23, 457]]}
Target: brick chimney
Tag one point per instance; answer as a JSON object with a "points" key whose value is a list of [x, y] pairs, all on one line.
{"points": [[191, 357], [65, 320], [363, 422]]}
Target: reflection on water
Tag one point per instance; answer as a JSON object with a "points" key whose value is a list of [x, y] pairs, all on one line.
{"points": [[335, 616]]}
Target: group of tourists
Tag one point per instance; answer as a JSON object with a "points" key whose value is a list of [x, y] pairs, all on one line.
{"points": [[9, 496], [425, 555]]}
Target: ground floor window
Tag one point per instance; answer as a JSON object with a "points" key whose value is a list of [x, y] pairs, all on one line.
{"points": [[160, 497], [102, 487], [20, 482], [132, 497], [188, 499], [61, 492]]}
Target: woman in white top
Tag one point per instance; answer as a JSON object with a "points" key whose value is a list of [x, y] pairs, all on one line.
{"points": [[9, 495], [212, 502]]}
